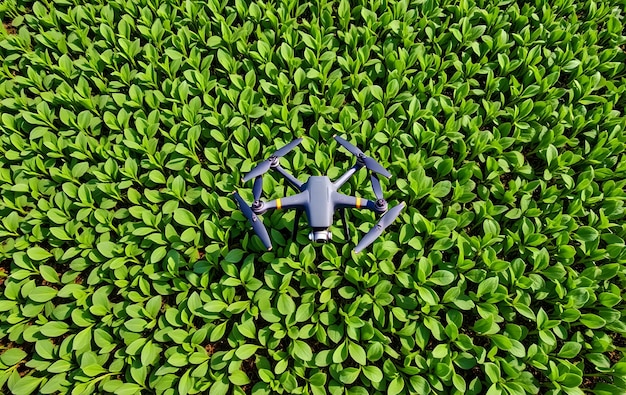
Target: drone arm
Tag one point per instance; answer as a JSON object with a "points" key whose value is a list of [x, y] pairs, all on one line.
{"points": [[346, 176], [289, 202], [344, 201], [290, 178]]}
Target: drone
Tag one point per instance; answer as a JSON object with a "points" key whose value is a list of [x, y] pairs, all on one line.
{"points": [[319, 198]]}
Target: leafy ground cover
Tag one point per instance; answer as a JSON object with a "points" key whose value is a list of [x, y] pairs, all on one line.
{"points": [[125, 266]]}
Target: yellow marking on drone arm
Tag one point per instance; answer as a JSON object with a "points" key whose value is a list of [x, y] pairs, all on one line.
{"points": [[358, 202], [279, 204]]}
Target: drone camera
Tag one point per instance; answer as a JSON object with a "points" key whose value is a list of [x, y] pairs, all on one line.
{"points": [[320, 236]]}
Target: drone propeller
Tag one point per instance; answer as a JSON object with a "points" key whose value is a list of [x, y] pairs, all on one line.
{"points": [[264, 166], [369, 162], [376, 187], [257, 189], [376, 231], [256, 223]]}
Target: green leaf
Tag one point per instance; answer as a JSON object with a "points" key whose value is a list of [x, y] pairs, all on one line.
{"points": [[38, 254], [25, 385], [239, 378], [375, 352], [377, 92], [158, 254], [219, 387], [107, 248], [304, 312], [420, 385], [93, 370], [349, 375], [128, 389], [286, 305], [396, 386], [82, 340], [135, 325], [592, 321], [245, 351], [442, 277], [185, 217], [149, 354], [234, 256], [487, 286], [587, 233], [178, 360], [54, 329], [571, 380], [502, 342], [571, 65], [302, 350], [340, 353], [570, 350], [49, 274], [373, 373], [42, 294], [12, 356], [441, 189], [357, 353], [493, 371]]}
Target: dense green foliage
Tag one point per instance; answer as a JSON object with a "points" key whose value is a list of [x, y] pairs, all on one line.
{"points": [[126, 266]]}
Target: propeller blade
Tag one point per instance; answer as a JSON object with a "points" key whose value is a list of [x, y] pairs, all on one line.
{"points": [[259, 170], [257, 189], [264, 166], [245, 209], [376, 187], [370, 163], [260, 230], [391, 215], [256, 223], [377, 230], [286, 149], [347, 145], [374, 166]]}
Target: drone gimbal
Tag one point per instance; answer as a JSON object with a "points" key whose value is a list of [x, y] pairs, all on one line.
{"points": [[318, 198]]}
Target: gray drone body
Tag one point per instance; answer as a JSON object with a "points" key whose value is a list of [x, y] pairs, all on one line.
{"points": [[320, 207], [319, 198]]}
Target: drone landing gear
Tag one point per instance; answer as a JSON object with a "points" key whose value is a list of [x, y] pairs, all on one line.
{"points": [[296, 221], [346, 231]]}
